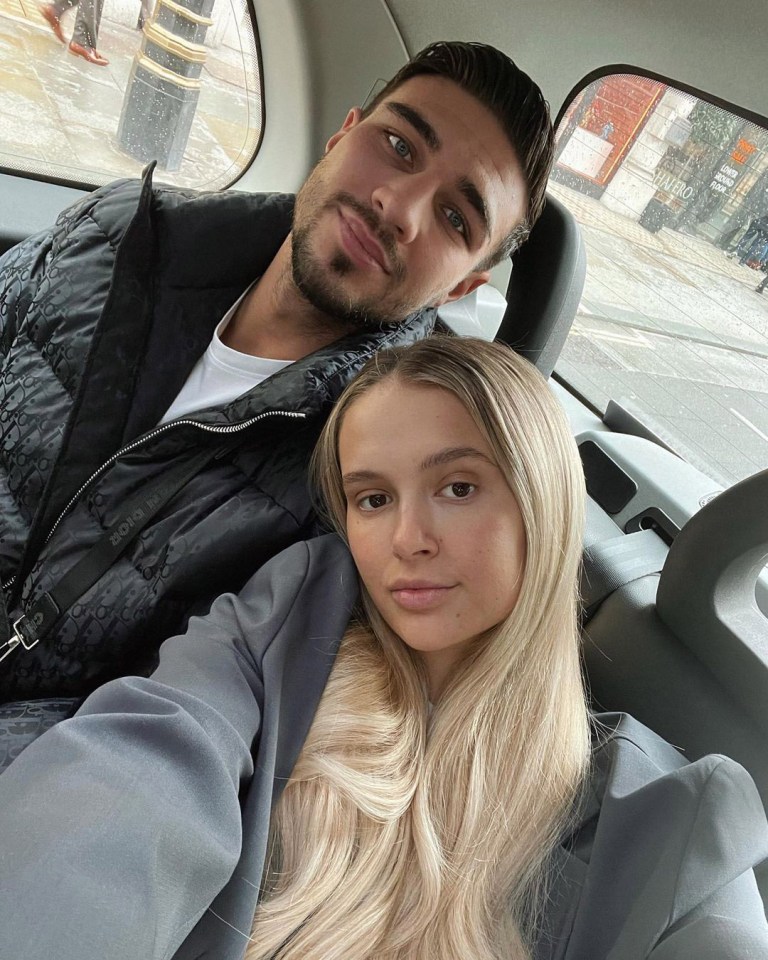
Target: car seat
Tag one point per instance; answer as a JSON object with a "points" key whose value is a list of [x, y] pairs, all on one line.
{"points": [[545, 287]]}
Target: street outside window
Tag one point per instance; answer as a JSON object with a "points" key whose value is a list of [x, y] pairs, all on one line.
{"points": [[671, 193], [92, 90]]}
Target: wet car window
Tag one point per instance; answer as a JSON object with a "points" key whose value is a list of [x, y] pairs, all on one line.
{"points": [[671, 193], [88, 98]]}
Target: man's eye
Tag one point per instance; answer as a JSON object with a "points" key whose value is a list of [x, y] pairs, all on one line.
{"points": [[459, 490], [455, 219], [400, 146], [374, 501]]}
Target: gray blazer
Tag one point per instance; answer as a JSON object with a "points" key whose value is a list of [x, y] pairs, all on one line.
{"points": [[137, 829]]}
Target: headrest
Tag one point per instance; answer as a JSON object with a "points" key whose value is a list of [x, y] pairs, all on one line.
{"points": [[545, 287], [479, 314]]}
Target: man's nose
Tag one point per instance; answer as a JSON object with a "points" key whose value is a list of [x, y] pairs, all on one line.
{"points": [[414, 533], [403, 202]]}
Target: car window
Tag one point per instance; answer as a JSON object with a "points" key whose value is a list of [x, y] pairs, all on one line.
{"points": [[671, 193], [180, 85]]}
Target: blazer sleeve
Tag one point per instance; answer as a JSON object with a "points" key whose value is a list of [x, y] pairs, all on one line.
{"points": [[661, 865], [121, 825], [717, 912]]}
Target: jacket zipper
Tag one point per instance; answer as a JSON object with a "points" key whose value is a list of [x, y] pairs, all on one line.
{"points": [[209, 428]]}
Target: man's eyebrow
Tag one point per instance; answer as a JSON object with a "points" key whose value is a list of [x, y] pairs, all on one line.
{"points": [[421, 125], [473, 196]]}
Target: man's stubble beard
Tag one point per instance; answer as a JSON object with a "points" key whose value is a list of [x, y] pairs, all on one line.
{"points": [[321, 285]]}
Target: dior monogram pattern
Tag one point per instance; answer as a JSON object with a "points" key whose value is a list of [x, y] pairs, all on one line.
{"points": [[24, 721]]}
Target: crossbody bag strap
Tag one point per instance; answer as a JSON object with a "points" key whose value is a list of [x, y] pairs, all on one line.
{"points": [[5, 625], [39, 617]]}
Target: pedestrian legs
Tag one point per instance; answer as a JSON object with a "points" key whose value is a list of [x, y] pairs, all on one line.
{"points": [[86, 32], [52, 14]]}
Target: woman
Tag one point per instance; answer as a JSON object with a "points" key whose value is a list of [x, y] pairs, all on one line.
{"points": [[417, 811], [451, 471]]}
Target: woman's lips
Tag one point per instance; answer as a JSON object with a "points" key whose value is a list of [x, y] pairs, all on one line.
{"points": [[420, 598]]}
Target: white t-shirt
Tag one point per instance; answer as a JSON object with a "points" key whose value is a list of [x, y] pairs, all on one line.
{"points": [[221, 374]]}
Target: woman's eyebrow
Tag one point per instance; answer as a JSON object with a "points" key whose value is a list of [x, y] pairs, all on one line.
{"points": [[359, 476], [449, 454], [438, 459]]}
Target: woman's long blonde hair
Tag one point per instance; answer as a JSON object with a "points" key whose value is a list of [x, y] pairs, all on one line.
{"points": [[401, 835]]}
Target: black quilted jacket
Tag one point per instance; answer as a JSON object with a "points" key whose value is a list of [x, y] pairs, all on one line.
{"points": [[101, 321]]}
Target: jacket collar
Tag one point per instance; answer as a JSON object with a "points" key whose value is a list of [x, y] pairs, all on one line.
{"points": [[312, 384]]}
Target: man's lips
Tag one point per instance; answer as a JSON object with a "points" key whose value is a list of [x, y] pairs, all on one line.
{"points": [[419, 594], [360, 243]]}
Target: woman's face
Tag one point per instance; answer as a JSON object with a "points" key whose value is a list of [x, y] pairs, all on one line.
{"points": [[434, 529]]}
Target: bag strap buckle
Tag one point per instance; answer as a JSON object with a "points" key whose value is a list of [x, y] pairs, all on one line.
{"points": [[25, 629], [24, 634]]}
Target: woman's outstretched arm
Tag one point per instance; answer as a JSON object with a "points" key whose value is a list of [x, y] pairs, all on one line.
{"points": [[121, 825]]}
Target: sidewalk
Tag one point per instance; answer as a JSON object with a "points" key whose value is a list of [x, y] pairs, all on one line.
{"points": [[591, 213], [59, 114], [672, 329], [666, 283]]}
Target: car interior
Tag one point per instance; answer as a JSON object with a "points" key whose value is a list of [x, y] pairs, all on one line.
{"points": [[637, 293]]}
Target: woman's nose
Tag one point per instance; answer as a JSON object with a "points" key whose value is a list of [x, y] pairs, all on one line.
{"points": [[414, 533]]}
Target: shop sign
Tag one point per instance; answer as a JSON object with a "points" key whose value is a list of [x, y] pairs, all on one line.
{"points": [[724, 179], [673, 185], [742, 151]]}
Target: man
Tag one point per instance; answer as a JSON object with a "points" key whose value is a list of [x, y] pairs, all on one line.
{"points": [[168, 359]]}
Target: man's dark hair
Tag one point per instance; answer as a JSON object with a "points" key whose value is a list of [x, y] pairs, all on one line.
{"points": [[512, 97]]}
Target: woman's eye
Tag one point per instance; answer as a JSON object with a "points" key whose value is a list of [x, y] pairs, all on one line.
{"points": [[456, 220], [374, 501], [400, 146], [458, 490]]}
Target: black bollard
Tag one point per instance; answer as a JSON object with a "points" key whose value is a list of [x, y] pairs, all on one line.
{"points": [[164, 83]]}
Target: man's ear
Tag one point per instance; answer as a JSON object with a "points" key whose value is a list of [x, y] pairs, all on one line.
{"points": [[471, 282], [353, 118]]}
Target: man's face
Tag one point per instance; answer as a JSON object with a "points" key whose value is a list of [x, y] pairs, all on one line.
{"points": [[405, 204]]}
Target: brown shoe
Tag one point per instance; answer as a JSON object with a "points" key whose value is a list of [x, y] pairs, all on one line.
{"points": [[88, 53], [49, 15]]}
